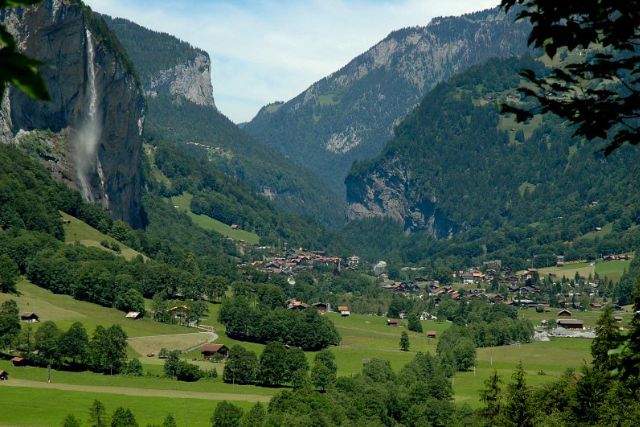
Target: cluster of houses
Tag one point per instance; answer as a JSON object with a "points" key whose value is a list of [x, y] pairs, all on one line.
{"points": [[322, 307], [294, 261]]}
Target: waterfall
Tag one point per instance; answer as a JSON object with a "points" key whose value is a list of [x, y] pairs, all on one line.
{"points": [[88, 135]]}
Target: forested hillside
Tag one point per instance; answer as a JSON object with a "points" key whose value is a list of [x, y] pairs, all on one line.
{"points": [[459, 169], [177, 115], [350, 114]]}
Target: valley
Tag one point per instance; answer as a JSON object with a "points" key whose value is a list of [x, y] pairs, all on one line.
{"points": [[444, 231]]}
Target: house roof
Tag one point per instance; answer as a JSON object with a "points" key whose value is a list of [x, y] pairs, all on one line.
{"points": [[17, 359], [27, 314], [343, 308], [431, 333], [392, 321], [211, 348], [564, 313], [133, 314], [569, 322]]}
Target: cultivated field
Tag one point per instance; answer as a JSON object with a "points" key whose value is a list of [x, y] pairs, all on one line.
{"points": [[183, 203], [612, 270]]}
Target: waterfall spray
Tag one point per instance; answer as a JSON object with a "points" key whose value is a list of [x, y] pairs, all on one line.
{"points": [[88, 135]]}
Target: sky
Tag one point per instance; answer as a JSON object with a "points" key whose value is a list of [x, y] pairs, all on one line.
{"points": [[271, 50]]}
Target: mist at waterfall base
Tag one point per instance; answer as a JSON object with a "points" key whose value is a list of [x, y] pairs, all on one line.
{"points": [[85, 140]]}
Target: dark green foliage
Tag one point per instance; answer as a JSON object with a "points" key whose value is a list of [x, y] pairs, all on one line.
{"points": [[108, 349], [457, 349], [9, 323], [241, 366], [134, 368], [255, 417], [607, 338], [273, 365], [8, 274], [71, 421], [226, 415], [598, 94], [73, 345], [307, 329], [130, 300], [46, 342], [491, 398], [404, 341], [517, 406], [123, 418], [456, 147], [97, 414], [323, 372], [414, 323], [169, 421]]}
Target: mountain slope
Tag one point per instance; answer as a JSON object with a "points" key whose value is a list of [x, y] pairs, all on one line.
{"points": [[175, 77], [350, 114], [457, 168]]}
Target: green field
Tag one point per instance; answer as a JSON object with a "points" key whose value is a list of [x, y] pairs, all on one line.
{"points": [[183, 203], [612, 270], [78, 231], [54, 405], [64, 310]]}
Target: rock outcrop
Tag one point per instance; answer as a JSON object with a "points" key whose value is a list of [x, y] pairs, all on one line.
{"points": [[349, 115], [96, 105]]}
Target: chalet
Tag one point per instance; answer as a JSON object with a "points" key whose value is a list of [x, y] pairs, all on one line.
{"points": [[617, 318], [209, 350], [564, 313], [322, 307], [134, 315], [4, 375], [392, 322], [431, 334], [18, 361], [29, 317], [295, 304], [570, 323], [467, 277], [234, 226], [344, 311], [595, 305]]}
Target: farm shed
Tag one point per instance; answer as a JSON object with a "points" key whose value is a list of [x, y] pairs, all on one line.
{"points": [[208, 350], [570, 323], [29, 317]]}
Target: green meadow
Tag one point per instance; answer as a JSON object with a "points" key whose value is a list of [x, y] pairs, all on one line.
{"points": [[183, 203], [612, 270]]}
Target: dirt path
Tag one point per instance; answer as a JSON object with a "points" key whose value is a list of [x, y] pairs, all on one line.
{"points": [[130, 391]]}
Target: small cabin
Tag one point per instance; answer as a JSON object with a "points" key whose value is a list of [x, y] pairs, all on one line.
{"points": [[564, 313], [210, 350], [134, 315], [344, 311], [570, 323], [392, 322], [322, 307], [234, 226], [431, 334], [18, 361], [4, 375], [29, 317]]}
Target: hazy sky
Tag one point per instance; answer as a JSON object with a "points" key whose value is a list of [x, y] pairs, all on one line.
{"points": [[271, 50]]}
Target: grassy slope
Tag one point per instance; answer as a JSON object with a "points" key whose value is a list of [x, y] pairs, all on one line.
{"points": [[183, 203], [64, 310], [78, 231], [613, 270]]}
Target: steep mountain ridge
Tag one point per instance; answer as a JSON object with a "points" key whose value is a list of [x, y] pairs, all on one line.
{"points": [[350, 114], [92, 127], [171, 76], [457, 168]]}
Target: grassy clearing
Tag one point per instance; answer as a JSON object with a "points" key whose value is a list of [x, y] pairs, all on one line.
{"points": [[613, 270], [590, 317], [78, 231], [154, 343], [543, 362], [64, 310], [46, 407], [511, 126], [183, 203]]}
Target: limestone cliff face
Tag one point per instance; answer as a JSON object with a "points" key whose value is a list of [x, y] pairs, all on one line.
{"points": [[96, 105], [350, 114], [389, 191], [190, 80]]}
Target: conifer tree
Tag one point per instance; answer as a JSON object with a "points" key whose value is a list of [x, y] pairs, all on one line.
{"points": [[404, 341]]}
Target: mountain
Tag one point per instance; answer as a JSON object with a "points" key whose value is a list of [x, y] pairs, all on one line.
{"points": [[176, 78], [459, 170], [350, 114], [90, 133]]}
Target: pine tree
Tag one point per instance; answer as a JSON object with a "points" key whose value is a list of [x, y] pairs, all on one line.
{"points": [[518, 410], [98, 414], [404, 341], [490, 396], [607, 338]]}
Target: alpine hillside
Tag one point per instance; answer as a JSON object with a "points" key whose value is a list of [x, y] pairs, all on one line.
{"points": [[350, 114]]}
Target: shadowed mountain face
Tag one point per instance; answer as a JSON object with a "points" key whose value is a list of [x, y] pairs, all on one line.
{"points": [[350, 115], [95, 118]]}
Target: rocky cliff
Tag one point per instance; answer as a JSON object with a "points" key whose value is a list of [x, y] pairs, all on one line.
{"points": [[96, 110], [350, 114], [166, 65]]}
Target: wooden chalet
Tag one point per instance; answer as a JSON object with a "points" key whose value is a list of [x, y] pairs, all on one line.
{"points": [[4, 375], [431, 334], [29, 317], [134, 315], [295, 304], [570, 323], [564, 313], [18, 361], [322, 307], [209, 350], [392, 322], [344, 311]]}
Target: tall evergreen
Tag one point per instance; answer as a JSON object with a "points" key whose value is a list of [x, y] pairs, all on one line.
{"points": [[607, 338]]}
